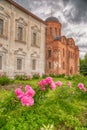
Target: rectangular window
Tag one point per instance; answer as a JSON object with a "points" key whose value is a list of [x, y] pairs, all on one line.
{"points": [[1, 26], [0, 62], [33, 64], [20, 33], [19, 64], [49, 65], [49, 53], [34, 38]]}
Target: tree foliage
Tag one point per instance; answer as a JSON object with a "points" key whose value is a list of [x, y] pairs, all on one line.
{"points": [[83, 65]]}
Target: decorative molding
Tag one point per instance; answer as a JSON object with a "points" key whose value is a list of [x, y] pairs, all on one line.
{"points": [[4, 13], [3, 49], [34, 54], [1, 8], [35, 28], [20, 52], [21, 21]]}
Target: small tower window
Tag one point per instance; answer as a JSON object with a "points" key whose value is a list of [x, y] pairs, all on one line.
{"points": [[56, 31], [49, 53], [50, 30]]}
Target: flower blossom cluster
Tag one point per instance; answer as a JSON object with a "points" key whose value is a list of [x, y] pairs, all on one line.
{"points": [[45, 82], [26, 97], [59, 83], [82, 87]]}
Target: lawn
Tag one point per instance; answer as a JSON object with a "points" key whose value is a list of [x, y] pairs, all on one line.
{"points": [[64, 108]]}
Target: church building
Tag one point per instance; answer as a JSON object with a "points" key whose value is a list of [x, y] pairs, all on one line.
{"points": [[62, 55]]}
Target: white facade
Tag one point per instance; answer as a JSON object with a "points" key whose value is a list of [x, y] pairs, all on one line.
{"points": [[26, 55]]}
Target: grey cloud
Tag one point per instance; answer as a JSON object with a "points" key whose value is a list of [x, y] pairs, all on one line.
{"points": [[65, 2], [76, 14], [80, 11]]}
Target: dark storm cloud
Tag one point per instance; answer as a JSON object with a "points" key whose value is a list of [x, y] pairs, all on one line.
{"points": [[65, 2], [77, 12]]}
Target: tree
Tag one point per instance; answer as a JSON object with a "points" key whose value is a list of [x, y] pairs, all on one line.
{"points": [[83, 65]]}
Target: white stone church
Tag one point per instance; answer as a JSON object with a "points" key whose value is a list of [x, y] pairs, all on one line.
{"points": [[22, 40]]}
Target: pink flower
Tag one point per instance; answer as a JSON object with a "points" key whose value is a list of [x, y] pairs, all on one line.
{"points": [[27, 101], [52, 86], [81, 85], [49, 80], [29, 91], [42, 82], [59, 83], [69, 84], [19, 93]]}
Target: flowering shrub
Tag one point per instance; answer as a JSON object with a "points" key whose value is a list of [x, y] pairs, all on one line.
{"points": [[81, 86], [65, 108], [26, 97], [69, 84], [47, 82], [59, 83]]}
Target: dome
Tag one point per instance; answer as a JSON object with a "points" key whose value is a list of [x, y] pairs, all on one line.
{"points": [[54, 19]]}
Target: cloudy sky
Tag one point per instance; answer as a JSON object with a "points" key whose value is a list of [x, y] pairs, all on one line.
{"points": [[71, 13]]}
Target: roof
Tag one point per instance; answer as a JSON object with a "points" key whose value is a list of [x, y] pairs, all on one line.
{"points": [[54, 19], [25, 10], [58, 38]]}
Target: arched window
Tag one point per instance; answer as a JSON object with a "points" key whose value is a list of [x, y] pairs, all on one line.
{"points": [[56, 31], [20, 33], [49, 53], [34, 38], [63, 52], [50, 30], [49, 65], [63, 65], [34, 64], [19, 64]]}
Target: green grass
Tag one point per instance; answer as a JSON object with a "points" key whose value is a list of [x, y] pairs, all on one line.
{"points": [[59, 109]]}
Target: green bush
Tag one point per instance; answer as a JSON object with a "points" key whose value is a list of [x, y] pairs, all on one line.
{"points": [[44, 76], [22, 77], [36, 76], [4, 80]]}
